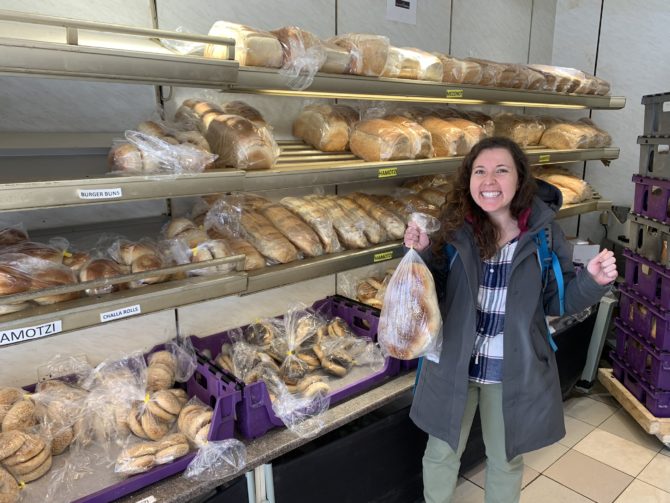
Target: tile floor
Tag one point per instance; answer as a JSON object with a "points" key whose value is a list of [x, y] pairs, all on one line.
{"points": [[605, 457]]}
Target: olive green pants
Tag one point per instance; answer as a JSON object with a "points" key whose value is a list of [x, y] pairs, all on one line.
{"points": [[441, 463]]}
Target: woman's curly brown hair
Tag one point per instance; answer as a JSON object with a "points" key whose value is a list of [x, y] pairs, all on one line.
{"points": [[460, 204]]}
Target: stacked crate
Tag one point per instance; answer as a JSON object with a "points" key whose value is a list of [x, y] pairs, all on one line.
{"points": [[641, 359]]}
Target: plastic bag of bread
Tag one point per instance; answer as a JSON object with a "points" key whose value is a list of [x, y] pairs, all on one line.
{"points": [[560, 79], [325, 127], [318, 218], [217, 460], [368, 52], [12, 235], [517, 76], [138, 457], [525, 130], [13, 280], [240, 143], [459, 71], [183, 47], [380, 140], [422, 142], [192, 112], [140, 256], [411, 63], [481, 119], [570, 136], [178, 355], [372, 229], [245, 110], [491, 71], [143, 153], [304, 55], [25, 455], [338, 59], [349, 231], [448, 137], [601, 138], [299, 233], [392, 224], [410, 322], [253, 47]]}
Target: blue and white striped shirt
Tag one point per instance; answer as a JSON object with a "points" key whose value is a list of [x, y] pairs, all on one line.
{"points": [[486, 364]]}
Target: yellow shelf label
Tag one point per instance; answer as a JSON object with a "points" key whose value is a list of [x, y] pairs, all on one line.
{"points": [[454, 93], [380, 257], [387, 172], [544, 158]]}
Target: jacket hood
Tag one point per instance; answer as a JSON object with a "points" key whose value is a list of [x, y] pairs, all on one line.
{"points": [[546, 203], [549, 195]]}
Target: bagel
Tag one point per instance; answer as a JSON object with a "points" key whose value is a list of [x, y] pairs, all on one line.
{"points": [[38, 472], [159, 376], [170, 440], [20, 416], [9, 488], [153, 427], [171, 453], [180, 394], [185, 412], [139, 450], [135, 465], [10, 442], [134, 422], [164, 357], [318, 387], [167, 401], [61, 440], [196, 421], [32, 445], [159, 413], [32, 464], [201, 436]]}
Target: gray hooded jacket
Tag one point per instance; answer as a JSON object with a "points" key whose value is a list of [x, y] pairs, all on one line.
{"points": [[532, 404]]}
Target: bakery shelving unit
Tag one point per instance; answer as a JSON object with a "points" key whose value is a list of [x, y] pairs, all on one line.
{"points": [[112, 53]]}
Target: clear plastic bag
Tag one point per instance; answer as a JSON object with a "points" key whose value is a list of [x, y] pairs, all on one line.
{"points": [[368, 52], [410, 322], [13, 234], [412, 63], [303, 56], [195, 420], [380, 140], [183, 47], [216, 460]]}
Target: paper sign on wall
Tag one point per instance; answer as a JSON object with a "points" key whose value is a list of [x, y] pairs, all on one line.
{"points": [[402, 11]]}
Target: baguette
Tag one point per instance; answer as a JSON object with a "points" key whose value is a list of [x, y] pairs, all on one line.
{"points": [[371, 228], [266, 238], [347, 230], [294, 228], [318, 218], [394, 225]]}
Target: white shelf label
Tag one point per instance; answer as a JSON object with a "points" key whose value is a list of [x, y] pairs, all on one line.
{"points": [[124, 312], [100, 193], [15, 335], [148, 499]]}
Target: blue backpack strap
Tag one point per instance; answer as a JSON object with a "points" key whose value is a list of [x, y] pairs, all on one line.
{"points": [[450, 252], [548, 260]]}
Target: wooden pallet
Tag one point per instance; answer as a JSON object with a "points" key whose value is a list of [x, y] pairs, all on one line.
{"points": [[659, 426]]}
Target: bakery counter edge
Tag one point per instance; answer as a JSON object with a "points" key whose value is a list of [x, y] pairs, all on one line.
{"points": [[278, 442]]}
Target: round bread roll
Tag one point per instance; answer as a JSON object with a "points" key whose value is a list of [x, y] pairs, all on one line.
{"points": [[125, 157], [39, 250], [165, 357], [61, 440], [147, 263], [185, 413], [9, 488], [170, 440], [134, 421], [177, 226], [31, 464], [10, 443], [169, 454], [180, 395], [140, 464], [193, 237], [11, 236], [159, 376], [38, 472], [76, 260], [101, 268], [139, 450], [195, 139], [13, 281], [31, 446], [9, 396], [167, 401], [154, 428], [51, 277], [195, 422], [20, 416], [129, 252]]}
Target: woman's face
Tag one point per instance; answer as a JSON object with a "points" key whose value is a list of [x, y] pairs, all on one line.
{"points": [[494, 181]]}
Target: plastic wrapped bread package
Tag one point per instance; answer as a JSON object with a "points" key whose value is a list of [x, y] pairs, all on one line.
{"points": [[448, 137], [318, 218], [422, 144], [304, 56], [338, 59], [459, 71], [253, 47], [523, 129], [411, 63], [240, 143], [368, 52], [380, 140], [326, 127], [575, 135]]}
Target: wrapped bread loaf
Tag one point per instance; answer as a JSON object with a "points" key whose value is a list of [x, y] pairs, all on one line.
{"points": [[559, 79], [411, 63], [192, 111], [368, 52], [301, 47], [421, 141], [524, 130], [601, 138], [325, 127], [241, 144], [520, 77], [318, 218], [413, 203], [266, 238], [491, 71], [482, 120], [49, 275], [338, 59], [433, 196], [379, 140], [253, 260], [346, 227], [294, 228], [392, 224], [245, 110], [573, 189], [253, 47], [374, 232], [448, 138], [459, 71], [570, 136]]}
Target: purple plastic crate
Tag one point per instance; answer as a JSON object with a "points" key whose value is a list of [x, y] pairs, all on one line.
{"points": [[642, 275], [657, 401], [630, 380], [617, 368], [651, 198], [254, 413], [629, 348], [650, 363], [202, 385], [647, 319]]}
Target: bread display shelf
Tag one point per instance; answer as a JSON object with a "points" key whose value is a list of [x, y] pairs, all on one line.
{"points": [[100, 51], [87, 312], [271, 277], [572, 210], [270, 82]]}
